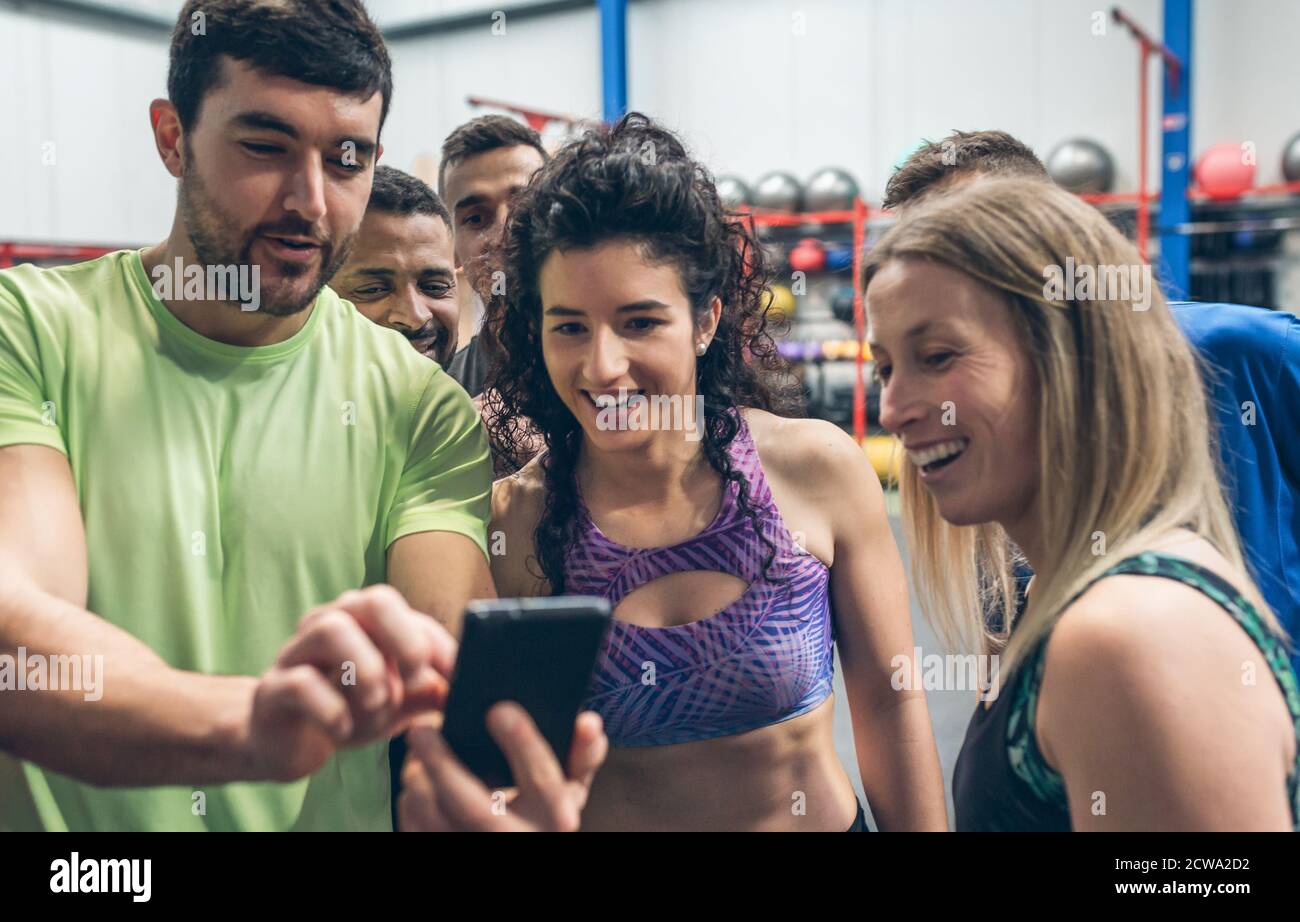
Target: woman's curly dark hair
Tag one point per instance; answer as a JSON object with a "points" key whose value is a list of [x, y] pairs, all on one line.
{"points": [[633, 181]]}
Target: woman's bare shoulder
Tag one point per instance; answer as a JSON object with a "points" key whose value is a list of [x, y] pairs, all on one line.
{"points": [[800, 446], [1161, 652], [1143, 613]]}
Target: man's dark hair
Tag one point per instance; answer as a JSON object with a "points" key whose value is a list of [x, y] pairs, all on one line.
{"points": [[482, 134], [995, 153], [330, 43], [402, 194]]}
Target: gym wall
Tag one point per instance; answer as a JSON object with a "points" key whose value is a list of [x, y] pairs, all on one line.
{"points": [[755, 85], [78, 161]]}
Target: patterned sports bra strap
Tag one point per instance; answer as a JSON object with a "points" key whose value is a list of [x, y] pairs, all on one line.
{"points": [[1022, 749], [1228, 598], [744, 455], [727, 545]]}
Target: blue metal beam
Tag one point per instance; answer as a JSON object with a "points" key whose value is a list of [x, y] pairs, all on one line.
{"points": [[1176, 154], [613, 57]]}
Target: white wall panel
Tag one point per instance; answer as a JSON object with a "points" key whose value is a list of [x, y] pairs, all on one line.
{"points": [[753, 84]]}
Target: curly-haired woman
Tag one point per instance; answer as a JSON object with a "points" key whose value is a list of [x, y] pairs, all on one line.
{"points": [[737, 545]]}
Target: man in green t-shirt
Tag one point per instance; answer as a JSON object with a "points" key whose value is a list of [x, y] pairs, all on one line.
{"points": [[205, 453]]}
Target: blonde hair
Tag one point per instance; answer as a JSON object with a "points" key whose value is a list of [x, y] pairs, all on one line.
{"points": [[1124, 435]]}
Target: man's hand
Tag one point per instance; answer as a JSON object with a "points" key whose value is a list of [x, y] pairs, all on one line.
{"points": [[441, 795], [356, 671]]}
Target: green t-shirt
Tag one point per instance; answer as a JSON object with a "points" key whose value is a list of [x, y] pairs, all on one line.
{"points": [[225, 491]]}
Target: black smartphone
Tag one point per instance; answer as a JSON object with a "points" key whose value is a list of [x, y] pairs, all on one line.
{"points": [[537, 652]]}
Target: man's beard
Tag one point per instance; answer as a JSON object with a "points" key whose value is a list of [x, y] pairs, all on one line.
{"points": [[218, 242], [434, 341]]}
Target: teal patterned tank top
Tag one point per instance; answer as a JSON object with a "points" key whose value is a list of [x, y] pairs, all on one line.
{"points": [[1002, 780]]}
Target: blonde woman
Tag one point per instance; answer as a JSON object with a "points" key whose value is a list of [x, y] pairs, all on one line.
{"points": [[1146, 685]]}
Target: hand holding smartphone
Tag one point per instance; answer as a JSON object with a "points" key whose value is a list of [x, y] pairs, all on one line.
{"points": [[538, 652]]}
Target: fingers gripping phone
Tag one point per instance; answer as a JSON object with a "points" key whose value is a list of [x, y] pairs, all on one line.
{"points": [[537, 652]]}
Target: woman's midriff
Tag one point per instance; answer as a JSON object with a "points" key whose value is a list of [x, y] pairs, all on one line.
{"points": [[783, 777]]}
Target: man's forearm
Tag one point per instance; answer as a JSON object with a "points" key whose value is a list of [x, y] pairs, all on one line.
{"points": [[132, 721]]}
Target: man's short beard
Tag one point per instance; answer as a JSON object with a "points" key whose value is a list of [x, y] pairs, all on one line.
{"points": [[216, 243]]}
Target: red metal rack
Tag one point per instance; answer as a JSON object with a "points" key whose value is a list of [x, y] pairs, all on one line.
{"points": [[11, 252], [858, 215]]}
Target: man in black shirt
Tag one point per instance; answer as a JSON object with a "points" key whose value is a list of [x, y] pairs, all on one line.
{"points": [[485, 162]]}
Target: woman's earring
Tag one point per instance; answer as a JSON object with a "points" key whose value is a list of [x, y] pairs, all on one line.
{"points": [[701, 348]]}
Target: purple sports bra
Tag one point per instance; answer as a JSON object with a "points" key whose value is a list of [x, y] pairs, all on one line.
{"points": [[765, 658]]}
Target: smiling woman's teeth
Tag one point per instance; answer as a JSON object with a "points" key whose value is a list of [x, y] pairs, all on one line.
{"points": [[611, 401], [943, 452]]}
